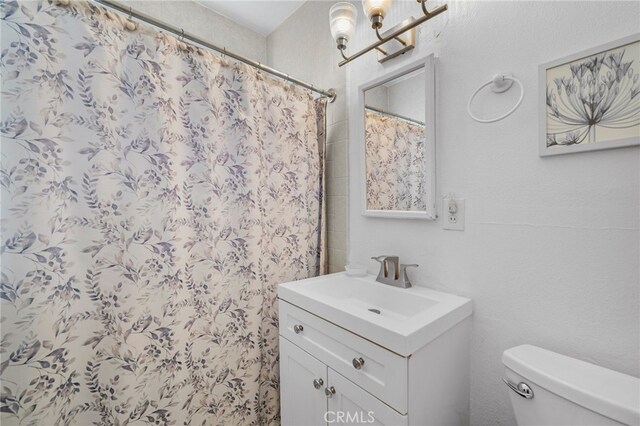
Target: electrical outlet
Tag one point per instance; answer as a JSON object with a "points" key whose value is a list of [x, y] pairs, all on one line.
{"points": [[453, 213]]}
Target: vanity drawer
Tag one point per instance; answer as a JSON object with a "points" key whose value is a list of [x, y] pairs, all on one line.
{"points": [[383, 373]]}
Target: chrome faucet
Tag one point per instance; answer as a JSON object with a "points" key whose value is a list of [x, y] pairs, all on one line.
{"points": [[392, 272]]}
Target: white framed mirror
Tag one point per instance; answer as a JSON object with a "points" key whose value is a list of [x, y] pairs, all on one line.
{"points": [[396, 129]]}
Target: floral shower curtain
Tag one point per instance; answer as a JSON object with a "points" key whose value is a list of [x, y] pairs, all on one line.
{"points": [[394, 163], [152, 198]]}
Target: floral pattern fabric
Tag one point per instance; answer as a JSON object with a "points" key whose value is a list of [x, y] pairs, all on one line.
{"points": [[153, 196], [394, 163]]}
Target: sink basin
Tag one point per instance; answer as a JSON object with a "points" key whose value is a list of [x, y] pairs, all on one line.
{"points": [[401, 320]]}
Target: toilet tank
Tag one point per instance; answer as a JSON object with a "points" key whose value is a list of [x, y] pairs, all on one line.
{"points": [[567, 391]]}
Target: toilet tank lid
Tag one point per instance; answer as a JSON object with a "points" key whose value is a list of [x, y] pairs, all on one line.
{"points": [[607, 392]]}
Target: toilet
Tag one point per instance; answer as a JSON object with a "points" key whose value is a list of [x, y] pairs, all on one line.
{"points": [[547, 388]]}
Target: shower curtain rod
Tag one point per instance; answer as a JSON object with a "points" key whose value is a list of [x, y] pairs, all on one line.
{"points": [[330, 94], [401, 117]]}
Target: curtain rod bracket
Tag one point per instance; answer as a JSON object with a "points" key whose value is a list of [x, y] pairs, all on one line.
{"points": [[332, 95]]}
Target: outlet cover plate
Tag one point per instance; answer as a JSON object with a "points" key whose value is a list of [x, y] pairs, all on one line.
{"points": [[453, 222]]}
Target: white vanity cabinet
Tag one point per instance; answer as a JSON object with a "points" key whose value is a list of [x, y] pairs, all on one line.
{"points": [[302, 382], [313, 394], [330, 375]]}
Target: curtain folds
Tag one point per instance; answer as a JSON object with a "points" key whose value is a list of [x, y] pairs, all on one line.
{"points": [[321, 126], [152, 199]]}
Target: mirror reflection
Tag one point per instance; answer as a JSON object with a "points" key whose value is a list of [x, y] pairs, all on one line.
{"points": [[395, 144]]}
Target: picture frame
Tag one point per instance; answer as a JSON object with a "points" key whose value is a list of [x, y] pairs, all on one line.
{"points": [[589, 101]]}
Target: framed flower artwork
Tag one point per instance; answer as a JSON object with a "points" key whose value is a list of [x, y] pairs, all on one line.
{"points": [[591, 100]]}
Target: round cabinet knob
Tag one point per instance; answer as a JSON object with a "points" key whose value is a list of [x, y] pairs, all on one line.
{"points": [[358, 363], [317, 383], [330, 391], [298, 328]]}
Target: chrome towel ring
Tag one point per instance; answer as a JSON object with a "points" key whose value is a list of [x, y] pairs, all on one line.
{"points": [[500, 83]]}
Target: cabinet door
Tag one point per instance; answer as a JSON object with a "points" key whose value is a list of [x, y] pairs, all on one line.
{"points": [[352, 405], [302, 382]]}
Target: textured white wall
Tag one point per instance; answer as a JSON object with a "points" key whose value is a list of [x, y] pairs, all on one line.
{"points": [[551, 248], [205, 23], [302, 46]]}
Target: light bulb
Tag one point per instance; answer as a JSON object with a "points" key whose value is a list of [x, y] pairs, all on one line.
{"points": [[376, 10], [342, 19]]}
